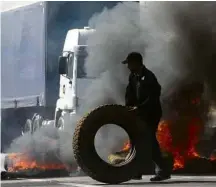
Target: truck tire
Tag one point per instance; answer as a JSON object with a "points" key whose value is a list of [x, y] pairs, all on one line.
{"points": [[36, 122], [27, 127], [85, 152], [60, 123]]}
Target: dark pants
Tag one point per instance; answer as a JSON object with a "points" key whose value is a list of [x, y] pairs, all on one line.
{"points": [[160, 162], [156, 152]]}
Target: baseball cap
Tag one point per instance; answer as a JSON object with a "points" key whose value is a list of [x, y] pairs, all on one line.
{"points": [[133, 56]]}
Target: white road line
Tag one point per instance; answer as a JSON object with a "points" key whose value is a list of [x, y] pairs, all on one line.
{"points": [[88, 179], [20, 180], [194, 177], [23, 181], [69, 179], [80, 185]]}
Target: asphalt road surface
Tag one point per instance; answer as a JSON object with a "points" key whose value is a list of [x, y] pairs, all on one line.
{"points": [[176, 181]]}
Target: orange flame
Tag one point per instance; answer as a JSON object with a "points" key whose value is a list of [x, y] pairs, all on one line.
{"points": [[179, 153], [126, 146], [22, 161]]}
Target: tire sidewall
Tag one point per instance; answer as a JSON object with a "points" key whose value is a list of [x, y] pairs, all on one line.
{"points": [[84, 149]]}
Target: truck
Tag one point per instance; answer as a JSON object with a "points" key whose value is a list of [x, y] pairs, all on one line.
{"points": [[73, 77], [39, 87]]}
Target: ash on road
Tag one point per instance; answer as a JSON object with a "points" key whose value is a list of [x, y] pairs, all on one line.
{"points": [[176, 181]]}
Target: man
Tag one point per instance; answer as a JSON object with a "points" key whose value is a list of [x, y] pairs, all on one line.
{"points": [[143, 95]]}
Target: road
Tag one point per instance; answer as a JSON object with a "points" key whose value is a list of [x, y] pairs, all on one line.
{"points": [[176, 181]]}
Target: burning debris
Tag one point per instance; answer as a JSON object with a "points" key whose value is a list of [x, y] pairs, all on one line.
{"points": [[27, 165], [184, 155], [181, 151], [23, 161], [40, 155]]}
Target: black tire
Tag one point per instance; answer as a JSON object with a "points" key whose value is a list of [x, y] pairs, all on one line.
{"points": [[60, 123], [85, 152]]}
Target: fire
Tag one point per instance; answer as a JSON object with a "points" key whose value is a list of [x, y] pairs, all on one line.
{"points": [[126, 146], [22, 161], [182, 150]]}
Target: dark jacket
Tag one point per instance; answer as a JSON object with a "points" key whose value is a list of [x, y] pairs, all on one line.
{"points": [[147, 96]]}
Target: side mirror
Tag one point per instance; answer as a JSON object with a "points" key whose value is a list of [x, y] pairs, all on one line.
{"points": [[62, 65]]}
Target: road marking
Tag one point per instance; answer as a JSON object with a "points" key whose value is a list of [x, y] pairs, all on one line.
{"points": [[80, 185], [62, 179], [88, 180], [194, 177], [21, 180]]}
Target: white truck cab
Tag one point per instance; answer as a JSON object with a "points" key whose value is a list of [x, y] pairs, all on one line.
{"points": [[72, 72]]}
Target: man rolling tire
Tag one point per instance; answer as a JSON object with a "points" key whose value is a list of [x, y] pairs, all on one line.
{"points": [[143, 95]]}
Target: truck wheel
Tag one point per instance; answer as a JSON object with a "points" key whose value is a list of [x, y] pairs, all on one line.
{"points": [[60, 124], [87, 157], [37, 122], [27, 127]]}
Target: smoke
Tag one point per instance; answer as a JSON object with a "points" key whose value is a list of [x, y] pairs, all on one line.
{"points": [[194, 25], [177, 40], [122, 30], [194, 53]]}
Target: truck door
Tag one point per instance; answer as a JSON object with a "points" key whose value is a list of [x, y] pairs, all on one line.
{"points": [[66, 89]]}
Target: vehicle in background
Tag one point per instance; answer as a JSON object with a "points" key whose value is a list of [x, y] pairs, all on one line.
{"points": [[73, 77], [33, 37]]}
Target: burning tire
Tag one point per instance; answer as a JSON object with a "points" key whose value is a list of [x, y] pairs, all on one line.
{"points": [[85, 152]]}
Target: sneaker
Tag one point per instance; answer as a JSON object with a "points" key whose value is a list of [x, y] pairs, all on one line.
{"points": [[158, 178]]}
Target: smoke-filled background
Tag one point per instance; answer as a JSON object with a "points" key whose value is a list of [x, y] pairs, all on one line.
{"points": [[177, 41]]}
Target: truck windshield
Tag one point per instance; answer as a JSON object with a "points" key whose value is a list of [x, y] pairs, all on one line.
{"points": [[81, 61], [81, 71], [81, 56]]}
